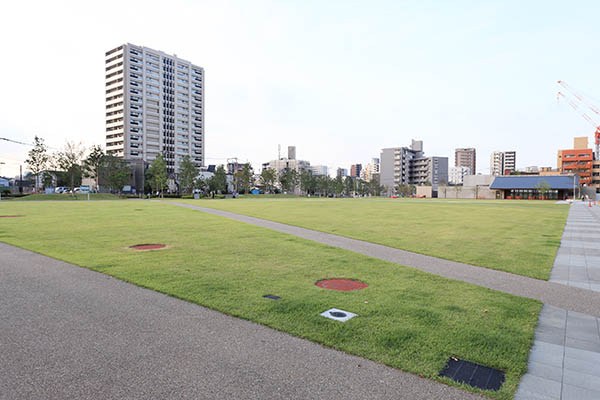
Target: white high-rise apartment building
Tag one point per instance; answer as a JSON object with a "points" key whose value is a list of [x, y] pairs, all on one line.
{"points": [[154, 104]]}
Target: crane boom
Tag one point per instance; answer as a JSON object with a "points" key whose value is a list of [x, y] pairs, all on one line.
{"points": [[582, 99]]}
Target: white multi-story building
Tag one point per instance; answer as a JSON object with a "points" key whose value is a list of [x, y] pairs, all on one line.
{"points": [[154, 105], [502, 163], [456, 175]]}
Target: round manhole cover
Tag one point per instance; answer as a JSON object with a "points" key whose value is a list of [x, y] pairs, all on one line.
{"points": [[147, 246], [341, 284]]}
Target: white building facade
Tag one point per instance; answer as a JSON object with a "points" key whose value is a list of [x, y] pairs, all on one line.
{"points": [[154, 105], [456, 175]]}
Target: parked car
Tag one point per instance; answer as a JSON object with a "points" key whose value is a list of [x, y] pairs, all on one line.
{"points": [[61, 189]]}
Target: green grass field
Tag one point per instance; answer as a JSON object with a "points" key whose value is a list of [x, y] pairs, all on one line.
{"points": [[407, 319], [521, 237]]}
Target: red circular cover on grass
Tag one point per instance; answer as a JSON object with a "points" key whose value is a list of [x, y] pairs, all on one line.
{"points": [[341, 284], [147, 246], [10, 216]]}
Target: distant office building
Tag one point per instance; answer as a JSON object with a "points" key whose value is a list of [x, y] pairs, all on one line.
{"points": [[370, 170], [429, 170], [343, 172], [395, 164], [456, 175], [509, 163], [496, 163], [532, 169], [578, 161], [409, 166], [466, 158], [319, 170], [291, 152], [503, 163], [355, 170], [154, 105]]}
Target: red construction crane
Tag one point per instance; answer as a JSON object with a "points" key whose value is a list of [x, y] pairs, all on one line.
{"points": [[575, 105]]}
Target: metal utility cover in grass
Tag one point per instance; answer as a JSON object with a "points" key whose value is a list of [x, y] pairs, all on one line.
{"points": [[271, 296], [151, 246], [338, 315], [473, 374], [344, 285]]}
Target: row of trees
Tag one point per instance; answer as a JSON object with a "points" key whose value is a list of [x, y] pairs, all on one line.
{"points": [[70, 166], [289, 180]]}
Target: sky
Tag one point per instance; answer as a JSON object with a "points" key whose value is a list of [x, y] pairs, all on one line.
{"points": [[340, 80]]}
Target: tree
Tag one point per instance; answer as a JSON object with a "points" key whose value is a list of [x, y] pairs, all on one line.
{"points": [[349, 186], [115, 172], [219, 180], [543, 187], [288, 178], [338, 185], [93, 163], [187, 175], [69, 161], [458, 188], [267, 179], [246, 177], [37, 158], [157, 174], [307, 182], [200, 184]]}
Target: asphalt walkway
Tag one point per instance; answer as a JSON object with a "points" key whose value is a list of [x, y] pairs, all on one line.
{"points": [[70, 333], [555, 294]]}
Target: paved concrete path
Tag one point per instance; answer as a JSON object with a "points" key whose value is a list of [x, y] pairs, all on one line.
{"points": [[555, 294], [564, 362], [577, 262], [71, 333]]}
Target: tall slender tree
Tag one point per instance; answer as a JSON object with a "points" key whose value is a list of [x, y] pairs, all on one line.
{"points": [[69, 161], [92, 164], [157, 174], [268, 178], [188, 174], [37, 158]]}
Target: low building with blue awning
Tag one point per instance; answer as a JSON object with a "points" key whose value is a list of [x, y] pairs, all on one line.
{"points": [[532, 187]]}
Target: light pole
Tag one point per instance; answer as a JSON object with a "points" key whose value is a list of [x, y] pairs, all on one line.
{"points": [[1, 163]]}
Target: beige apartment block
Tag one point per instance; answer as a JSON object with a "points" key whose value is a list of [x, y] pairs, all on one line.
{"points": [[154, 104]]}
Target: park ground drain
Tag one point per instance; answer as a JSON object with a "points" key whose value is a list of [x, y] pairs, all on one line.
{"points": [[341, 284], [338, 315], [147, 246], [271, 296], [473, 374]]}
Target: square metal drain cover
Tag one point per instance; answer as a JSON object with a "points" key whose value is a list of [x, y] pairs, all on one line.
{"points": [[473, 374], [271, 296], [338, 315]]}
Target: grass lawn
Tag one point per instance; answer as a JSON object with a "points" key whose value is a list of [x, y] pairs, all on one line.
{"points": [[407, 319], [521, 237], [59, 197]]}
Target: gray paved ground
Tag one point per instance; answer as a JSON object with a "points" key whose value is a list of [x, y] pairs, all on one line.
{"points": [[555, 294], [564, 362], [577, 262], [70, 333]]}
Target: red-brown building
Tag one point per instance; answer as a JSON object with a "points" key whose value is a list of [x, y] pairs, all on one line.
{"points": [[578, 161]]}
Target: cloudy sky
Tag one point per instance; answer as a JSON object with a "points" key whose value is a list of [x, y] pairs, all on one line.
{"points": [[338, 79]]}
